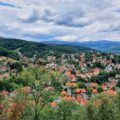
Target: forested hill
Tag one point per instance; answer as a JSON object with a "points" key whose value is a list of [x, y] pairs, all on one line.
{"points": [[115, 49], [9, 47]]}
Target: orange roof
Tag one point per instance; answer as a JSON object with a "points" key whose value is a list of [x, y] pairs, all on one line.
{"points": [[110, 92], [104, 86], [73, 84], [82, 90], [53, 104], [82, 101], [78, 97], [94, 91], [77, 91], [71, 76], [93, 84], [63, 93], [68, 73], [68, 98]]}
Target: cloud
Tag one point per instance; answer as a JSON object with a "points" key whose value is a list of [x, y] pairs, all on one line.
{"points": [[69, 17], [29, 17], [66, 38], [60, 19]]}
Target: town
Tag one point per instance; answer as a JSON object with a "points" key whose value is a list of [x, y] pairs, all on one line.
{"points": [[87, 74]]}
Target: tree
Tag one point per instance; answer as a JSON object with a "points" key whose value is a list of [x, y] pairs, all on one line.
{"points": [[16, 110], [91, 112], [99, 89], [69, 110], [41, 96], [81, 85], [118, 84], [102, 107], [106, 111]]}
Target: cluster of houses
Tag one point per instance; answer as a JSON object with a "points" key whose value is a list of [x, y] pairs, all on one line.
{"points": [[3, 70], [80, 95], [71, 89]]}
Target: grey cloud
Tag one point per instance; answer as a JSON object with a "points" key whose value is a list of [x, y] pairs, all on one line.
{"points": [[85, 19], [33, 17], [45, 15], [68, 18]]}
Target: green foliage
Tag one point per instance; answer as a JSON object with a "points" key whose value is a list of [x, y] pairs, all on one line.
{"points": [[118, 84], [16, 65], [9, 53], [70, 111], [81, 85], [103, 77], [80, 79], [99, 65], [91, 112], [100, 89], [30, 49], [89, 91]]}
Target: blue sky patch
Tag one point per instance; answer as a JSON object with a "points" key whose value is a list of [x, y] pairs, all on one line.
{"points": [[7, 4]]}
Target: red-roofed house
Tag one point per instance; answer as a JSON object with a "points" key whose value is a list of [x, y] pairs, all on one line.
{"points": [[104, 87], [93, 84], [64, 93], [80, 90], [68, 98], [53, 104], [94, 91], [110, 92], [4, 93], [81, 100], [73, 84]]}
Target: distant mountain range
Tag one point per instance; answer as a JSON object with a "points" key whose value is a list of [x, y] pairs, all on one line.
{"points": [[102, 45]]}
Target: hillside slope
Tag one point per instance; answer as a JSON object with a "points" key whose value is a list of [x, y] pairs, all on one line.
{"points": [[115, 49], [30, 49]]}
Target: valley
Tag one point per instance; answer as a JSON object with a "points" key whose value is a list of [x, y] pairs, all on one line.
{"points": [[66, 73]]}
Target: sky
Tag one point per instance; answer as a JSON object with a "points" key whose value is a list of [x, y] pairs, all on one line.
{"points": [[65, 20]]}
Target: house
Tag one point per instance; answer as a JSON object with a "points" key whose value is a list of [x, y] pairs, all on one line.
{"points": [[117, 66], [110, 92], [3, 68], [81, 100], [80, 90], [94, 91], [68, 73], [109, 67], [104, 87], [72, 84], [68, 98], [95, 71], [64, 93], [92, 84], [110, 84], [53, 104], [4, 93]]}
